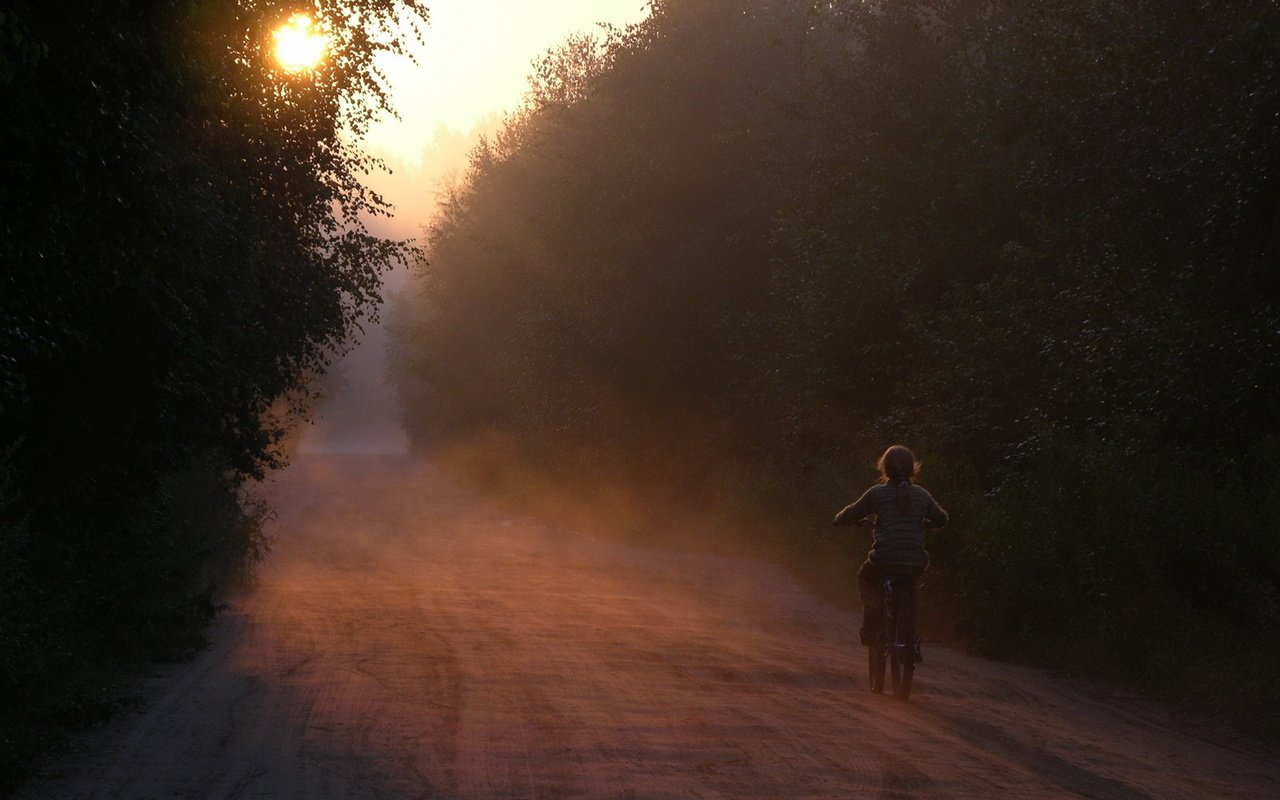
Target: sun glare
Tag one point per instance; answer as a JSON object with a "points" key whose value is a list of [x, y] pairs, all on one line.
{"points": [[300, 44]]}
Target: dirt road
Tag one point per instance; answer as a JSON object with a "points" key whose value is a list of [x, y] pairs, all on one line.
{"points": [[410, 640]]}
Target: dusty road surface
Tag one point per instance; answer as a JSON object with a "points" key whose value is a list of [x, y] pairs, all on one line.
{"points": [[410, 640]]}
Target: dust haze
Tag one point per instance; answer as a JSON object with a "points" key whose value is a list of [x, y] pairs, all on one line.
{"points": [[674, 488], [409, 637]]}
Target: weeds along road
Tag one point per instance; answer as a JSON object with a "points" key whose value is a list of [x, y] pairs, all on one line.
{"points": [[410, 640]]}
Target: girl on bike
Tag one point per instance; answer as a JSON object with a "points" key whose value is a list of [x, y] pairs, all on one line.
{"points": [[899, 511]]}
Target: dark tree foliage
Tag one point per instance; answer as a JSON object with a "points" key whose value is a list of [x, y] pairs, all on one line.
{"points": [[180, 248], [745, 244]]}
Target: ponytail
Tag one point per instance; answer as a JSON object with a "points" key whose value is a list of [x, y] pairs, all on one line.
{"points": [[904, 497], [898, 465]]}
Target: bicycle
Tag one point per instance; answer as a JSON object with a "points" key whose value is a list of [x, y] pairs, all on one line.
{"points": [[898, 647], [895, 644]]}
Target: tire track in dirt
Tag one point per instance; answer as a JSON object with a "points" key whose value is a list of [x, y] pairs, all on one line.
{"points": [[410, 640]]}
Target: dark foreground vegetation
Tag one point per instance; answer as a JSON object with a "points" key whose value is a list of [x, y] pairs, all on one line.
{"points": [[179, 250], [724, 257]]}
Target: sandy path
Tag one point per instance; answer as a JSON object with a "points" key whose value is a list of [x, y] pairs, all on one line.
{"points": [[409, 640]]}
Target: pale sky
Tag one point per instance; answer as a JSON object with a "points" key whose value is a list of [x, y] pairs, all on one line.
{"points": [[472, 68]]}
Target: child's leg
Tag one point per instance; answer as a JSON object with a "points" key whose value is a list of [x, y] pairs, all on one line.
{"points": [[869, 580]]}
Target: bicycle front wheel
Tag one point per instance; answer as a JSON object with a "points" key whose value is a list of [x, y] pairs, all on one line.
{"points": [[902, 656], [875, 665]]}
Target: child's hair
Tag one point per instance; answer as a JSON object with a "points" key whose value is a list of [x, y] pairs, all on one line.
{"points": [[898, 465]]}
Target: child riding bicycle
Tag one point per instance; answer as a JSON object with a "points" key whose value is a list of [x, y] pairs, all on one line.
{"points": [[900, 511]]}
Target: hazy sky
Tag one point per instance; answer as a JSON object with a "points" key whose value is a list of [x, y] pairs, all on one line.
{"points": [[473, 66]]}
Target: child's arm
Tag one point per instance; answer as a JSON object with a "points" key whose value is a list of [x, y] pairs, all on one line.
{"points": [[934, 515], [855, 512]]}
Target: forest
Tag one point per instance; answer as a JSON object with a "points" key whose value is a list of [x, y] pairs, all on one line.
{"points": [[722, 258], [183, 249]]}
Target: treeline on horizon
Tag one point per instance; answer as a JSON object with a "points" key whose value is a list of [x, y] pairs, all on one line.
{"points": [[723, 257], [180, 251]]}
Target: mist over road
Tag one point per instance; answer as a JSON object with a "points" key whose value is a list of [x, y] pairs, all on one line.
{"points": [[408, 639]]}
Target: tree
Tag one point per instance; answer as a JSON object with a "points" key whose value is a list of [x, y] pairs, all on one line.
{"points": [[183, 245]]}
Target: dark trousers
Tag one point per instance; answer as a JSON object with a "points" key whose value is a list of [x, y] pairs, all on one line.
{"points": [[871, 577]]}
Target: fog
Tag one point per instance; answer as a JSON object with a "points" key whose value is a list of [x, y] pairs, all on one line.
{"points": [[356, 412]]}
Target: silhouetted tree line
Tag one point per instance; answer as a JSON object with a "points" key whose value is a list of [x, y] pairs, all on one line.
{"points": [[180, 248], [741, 246]]}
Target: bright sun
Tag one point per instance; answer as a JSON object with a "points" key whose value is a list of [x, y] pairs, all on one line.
{"points": [[300, 45]]}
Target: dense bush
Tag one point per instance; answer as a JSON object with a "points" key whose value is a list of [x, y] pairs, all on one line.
{"points": [[1135, 561], [722, 257]]}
